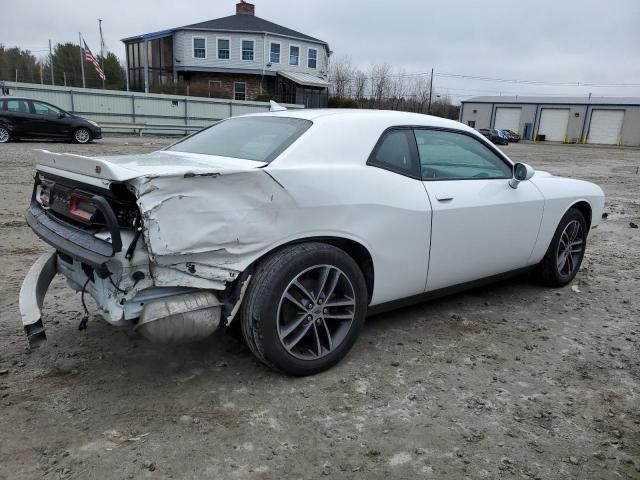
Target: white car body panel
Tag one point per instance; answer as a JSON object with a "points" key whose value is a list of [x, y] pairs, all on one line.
{"points": [[481, 228], [207, 218], [560, 194]]}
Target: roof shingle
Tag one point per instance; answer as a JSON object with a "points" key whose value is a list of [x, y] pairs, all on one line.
{"points": [[249, 23]]}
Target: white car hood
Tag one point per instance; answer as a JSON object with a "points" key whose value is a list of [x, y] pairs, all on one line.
{"points": [[156, 164]]}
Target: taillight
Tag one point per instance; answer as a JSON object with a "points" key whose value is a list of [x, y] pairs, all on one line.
{"points": [[81, 208]]}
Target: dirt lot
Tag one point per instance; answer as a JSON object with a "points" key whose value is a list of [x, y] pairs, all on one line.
{"points": [[510, 381]]}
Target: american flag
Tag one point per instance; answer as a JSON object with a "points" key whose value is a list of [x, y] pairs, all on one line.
{"points": [[88, 56]]}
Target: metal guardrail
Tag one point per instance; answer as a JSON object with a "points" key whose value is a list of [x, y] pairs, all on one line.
{"points": [[140, 128]]}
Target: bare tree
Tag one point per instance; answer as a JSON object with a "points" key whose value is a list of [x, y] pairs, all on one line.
{"points": [[359, 85], [341, 76], [380, 82], [398, 89], [420, 94]]}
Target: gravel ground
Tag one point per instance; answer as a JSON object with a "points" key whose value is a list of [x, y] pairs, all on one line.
{"points": [[508, 381]]}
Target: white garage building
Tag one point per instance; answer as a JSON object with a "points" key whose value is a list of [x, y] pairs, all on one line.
{"points": [[595, 120]]}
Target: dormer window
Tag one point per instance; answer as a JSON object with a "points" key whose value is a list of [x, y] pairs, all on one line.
{"points": [[294, 55], [199, 47], [312, 58], [223, 48], [275, 52]]}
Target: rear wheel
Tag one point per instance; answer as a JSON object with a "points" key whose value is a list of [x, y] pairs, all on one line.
{"points": [[82, 135], [564, 256], [304, 308], [5, 134]]}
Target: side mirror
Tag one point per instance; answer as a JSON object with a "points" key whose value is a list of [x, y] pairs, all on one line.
{"points": [[521, 173], [61, 115]]}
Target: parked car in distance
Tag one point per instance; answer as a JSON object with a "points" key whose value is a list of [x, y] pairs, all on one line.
{"points": [[27, 118], [494, 135], [511, 135], [293, 226]]}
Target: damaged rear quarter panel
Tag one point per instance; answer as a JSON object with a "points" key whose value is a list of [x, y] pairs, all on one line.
{"points": [[209, 226]]}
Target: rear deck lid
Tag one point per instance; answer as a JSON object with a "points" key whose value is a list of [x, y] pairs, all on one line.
{"points": [[156, 164]]}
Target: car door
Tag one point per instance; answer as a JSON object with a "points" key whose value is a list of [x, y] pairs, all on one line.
{"points": [[480, 225], [48, 120], [16, 113]]}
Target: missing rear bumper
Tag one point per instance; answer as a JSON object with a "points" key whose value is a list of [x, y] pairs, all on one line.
{"points": [[34, 287]]}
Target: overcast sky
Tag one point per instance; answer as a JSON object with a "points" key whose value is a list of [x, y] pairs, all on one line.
{"points": [[548, 41]]}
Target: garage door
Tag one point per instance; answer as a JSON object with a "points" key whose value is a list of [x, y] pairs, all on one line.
{"points": [[606, 126], [508, 118], [553, 124]]}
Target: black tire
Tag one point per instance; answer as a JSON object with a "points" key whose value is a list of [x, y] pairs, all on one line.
{"points": [[263, 299], [548, 272], [82, 135], [5, 134]]}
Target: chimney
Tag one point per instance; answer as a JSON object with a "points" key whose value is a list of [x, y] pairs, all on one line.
{"points": [[245, 8]]}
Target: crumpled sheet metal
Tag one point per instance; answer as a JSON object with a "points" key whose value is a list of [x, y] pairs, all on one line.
{"points": [[200, 226]]}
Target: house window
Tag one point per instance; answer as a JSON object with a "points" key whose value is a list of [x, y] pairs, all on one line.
{"points": [[223, 48], [239, 91], [199, 47], [247, 50], [275, 53], [294, 55], [312, 60], [472, 123]]}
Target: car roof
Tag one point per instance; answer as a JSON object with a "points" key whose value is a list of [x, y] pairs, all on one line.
{"points": [[390, 117]]}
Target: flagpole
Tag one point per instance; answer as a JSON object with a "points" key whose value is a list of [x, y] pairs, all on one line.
{"points": [[84, 84], [101, 51]]}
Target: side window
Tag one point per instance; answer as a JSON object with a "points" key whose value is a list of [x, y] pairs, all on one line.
{"points": [[239, 91], [312, 58], [449, 156], [18, 106], [42, 109], [199, 47], [223, 48], [275, 53], [247, 50], [394, 152]]}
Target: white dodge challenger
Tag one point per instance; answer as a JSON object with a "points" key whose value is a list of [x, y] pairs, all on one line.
{"points": [[294, 225]]}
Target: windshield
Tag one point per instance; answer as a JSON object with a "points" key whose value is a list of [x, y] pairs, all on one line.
{"points": [[252, 138]]}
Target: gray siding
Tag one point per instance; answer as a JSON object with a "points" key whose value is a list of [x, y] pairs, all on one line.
{"points": [[484, 116], [183, 50]]}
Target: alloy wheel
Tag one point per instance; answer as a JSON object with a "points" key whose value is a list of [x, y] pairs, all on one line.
{"points": [[4, 135], [315, 312], [570, 248], [82, 135]]}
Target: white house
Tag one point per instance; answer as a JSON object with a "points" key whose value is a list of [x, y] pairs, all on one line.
{"points": [[242, 57]]}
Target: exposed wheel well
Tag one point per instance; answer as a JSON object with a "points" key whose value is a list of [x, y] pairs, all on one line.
{"points": [[361, 256], [354, 249], [585, 209]]}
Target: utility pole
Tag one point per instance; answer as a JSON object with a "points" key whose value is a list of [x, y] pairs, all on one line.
{"points": [[51, 62], [84, 83], [430, 90], [64, 75], [41, 76]]}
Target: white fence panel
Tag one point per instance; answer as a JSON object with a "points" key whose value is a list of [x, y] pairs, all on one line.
{"points": [[135, 107]]}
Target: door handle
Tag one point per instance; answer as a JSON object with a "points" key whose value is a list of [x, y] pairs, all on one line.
{"points": [[444, 197]]}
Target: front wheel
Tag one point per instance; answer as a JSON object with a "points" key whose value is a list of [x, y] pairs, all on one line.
{"points": [[5, 134], [304, 308], [82, 135], [564, 256]]}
